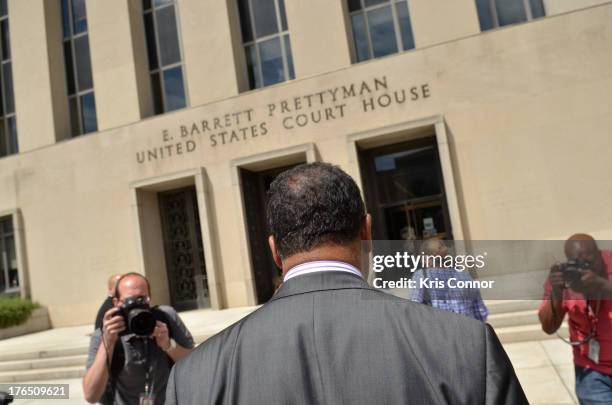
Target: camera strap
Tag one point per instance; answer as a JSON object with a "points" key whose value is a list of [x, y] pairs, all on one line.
{"points": [[593, 316], [149, 365]]}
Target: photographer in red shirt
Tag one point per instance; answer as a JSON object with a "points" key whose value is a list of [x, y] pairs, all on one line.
{"points": [[582, 289]]}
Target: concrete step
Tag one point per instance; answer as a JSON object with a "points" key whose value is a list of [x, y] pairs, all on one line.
{"points": [[42, 354], [43, 365], [505, 319], [201, 338], [65, 352], [52, 362], [525, 333], [74, 366], [504, 306], [56, 373]]}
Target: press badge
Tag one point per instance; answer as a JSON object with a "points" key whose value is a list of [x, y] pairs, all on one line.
{"points": [[146, 399], [594, 351]]}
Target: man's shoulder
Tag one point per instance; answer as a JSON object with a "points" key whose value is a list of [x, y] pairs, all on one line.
{"points": [[397, 310], [214, 354], [414, 311]]}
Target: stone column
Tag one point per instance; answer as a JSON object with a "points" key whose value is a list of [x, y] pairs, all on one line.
{"points": [[118, 62], [437, 21], [319, 33], [39, 79], [212, 52]]}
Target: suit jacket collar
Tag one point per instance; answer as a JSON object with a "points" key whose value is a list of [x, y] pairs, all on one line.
{"points": [[319, 281]]}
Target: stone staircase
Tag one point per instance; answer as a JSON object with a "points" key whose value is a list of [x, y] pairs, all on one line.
{"points": [[514, 321], [517, 321], [43, 365], [61, 353], [56, 364]]}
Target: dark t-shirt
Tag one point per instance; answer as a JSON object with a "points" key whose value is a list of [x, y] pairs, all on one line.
{"points": [[106, 305], [142, 355]]}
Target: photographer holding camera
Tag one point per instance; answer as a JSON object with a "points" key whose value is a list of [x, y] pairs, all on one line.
{"points": [[582, 288], [136, 347]]}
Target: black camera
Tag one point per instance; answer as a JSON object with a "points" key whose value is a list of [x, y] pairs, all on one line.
{"points": [[570, 270], [5, 398], [139, 318]]}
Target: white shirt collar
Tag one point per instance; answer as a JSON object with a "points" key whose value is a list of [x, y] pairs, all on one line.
{"points": [[321, 265]]}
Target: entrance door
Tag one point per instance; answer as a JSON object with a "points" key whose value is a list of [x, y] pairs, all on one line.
{"points": [[185, 263], [255, 186], [404, 190]]}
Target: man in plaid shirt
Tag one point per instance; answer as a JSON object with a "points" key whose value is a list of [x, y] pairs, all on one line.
{"points": [[465, 301]]}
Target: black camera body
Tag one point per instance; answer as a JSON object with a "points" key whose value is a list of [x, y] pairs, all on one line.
{"points": [[139, 318], [570, 270], [5, 398]]}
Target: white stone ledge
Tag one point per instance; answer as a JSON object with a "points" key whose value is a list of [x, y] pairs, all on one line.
{"points": [[38, 321]]}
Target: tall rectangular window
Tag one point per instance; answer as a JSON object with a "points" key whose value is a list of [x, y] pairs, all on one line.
{"points": [[265, 36], [78, 68], [380, 27], [8, 125], [497, 13], [164, 51], [9, 277]]}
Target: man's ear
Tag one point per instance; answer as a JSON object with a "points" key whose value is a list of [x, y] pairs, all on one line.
{"points": [[275, 255], [366, 228]]}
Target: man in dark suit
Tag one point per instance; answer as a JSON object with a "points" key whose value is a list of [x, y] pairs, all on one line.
{"points": [[326, 337]]}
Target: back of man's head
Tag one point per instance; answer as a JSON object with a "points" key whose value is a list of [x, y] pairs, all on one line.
{"points": [[112, 282], [311, 205]]}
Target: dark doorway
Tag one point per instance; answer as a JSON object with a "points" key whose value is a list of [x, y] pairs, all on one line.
{"points": [[255, 186], [183, 248], [404, 191]]}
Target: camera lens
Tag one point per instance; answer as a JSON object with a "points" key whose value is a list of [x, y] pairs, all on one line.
{"points": [[141, 322]]}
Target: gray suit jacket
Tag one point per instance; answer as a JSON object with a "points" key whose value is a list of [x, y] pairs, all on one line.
{"points": [[328, 338]]}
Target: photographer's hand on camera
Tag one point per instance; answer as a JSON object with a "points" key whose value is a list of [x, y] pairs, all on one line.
{"points": [[112, 325], [551, 315], [162, 336], [590, 283], [556, 281]]}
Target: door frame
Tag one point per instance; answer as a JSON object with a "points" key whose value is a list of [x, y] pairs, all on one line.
{"points": [[149, 238], [377, 210], [258, 162], [408, 131], [20, 250], [188, 195]]}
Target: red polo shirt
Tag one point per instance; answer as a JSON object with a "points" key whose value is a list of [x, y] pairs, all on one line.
{"points": [[579, 320]]}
